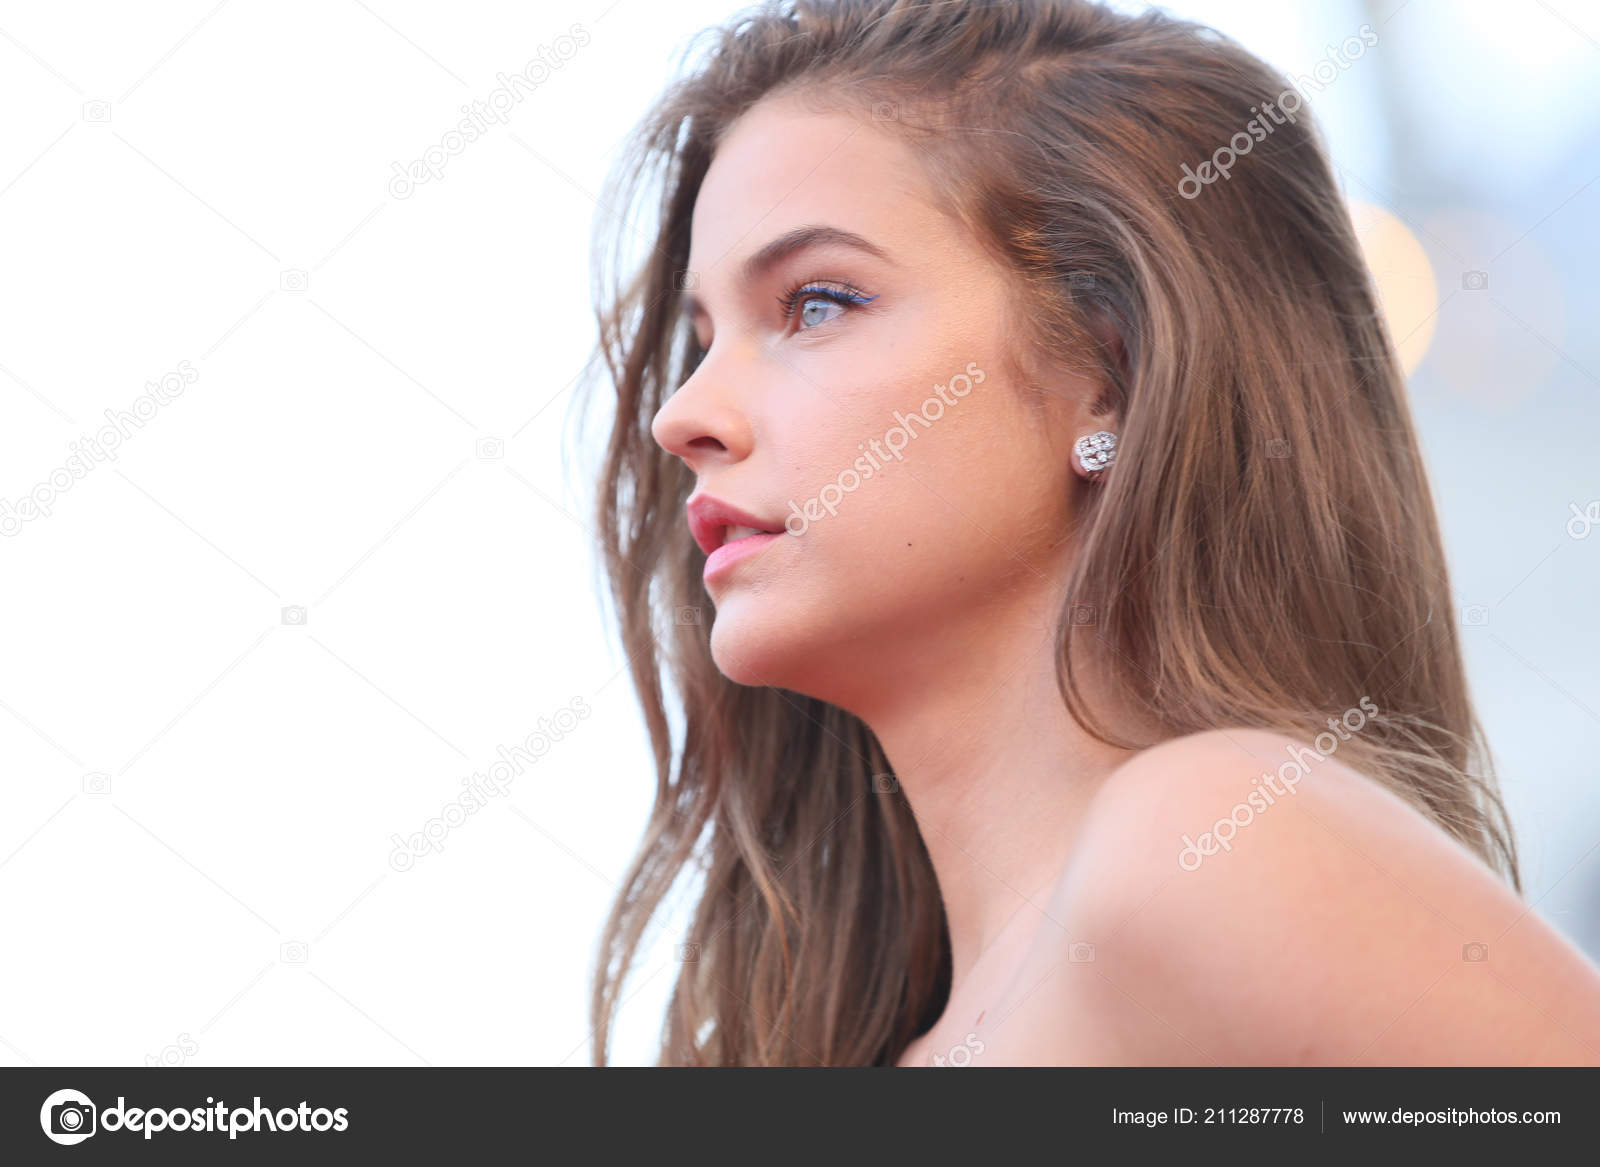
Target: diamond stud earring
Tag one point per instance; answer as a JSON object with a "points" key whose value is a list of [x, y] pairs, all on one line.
{"points": [[1096, 451]]}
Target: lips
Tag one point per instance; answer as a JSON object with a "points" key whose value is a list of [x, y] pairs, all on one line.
{"points": [[715, 523], [727, 534]]}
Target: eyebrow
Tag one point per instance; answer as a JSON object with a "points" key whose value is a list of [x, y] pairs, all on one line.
{"points": [[790, 243]]}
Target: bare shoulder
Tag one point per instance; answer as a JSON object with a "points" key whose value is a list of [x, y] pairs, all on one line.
{"points": [[1242, 897], [1216, 786]]}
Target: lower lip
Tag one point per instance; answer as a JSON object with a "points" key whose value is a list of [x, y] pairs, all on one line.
{"points": [[724, 557]]}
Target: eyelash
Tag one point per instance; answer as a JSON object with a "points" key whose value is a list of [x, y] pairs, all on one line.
{"points": [[843, 294]]}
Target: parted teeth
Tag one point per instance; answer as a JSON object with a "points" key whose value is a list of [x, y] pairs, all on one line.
{"points": [[729, 534]]}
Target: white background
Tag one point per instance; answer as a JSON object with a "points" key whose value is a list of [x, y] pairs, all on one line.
{"points": [[197, 799]]}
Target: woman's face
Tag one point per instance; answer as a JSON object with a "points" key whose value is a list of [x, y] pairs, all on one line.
{"points": [[854, 398]]}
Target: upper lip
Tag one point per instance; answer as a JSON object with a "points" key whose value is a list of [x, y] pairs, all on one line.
{"points": [[708, 517]]}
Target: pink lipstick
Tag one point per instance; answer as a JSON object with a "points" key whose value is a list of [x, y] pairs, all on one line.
{"points": [[727, 534]]}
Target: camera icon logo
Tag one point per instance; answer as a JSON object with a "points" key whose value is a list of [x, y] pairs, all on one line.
{"points": [[1081, 953], [97, 111], [1084, 615], [885, 783], [1277, 447], [686, 281], [294, 614], [293, 952], [490, 449], [1474, 615], [1474, 281], [688, 953], [1475, 952], [68, 1117], [294, 280], [98, 783]]}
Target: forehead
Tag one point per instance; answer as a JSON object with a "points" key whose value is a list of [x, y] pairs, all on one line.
{"points": [[781, 166]]}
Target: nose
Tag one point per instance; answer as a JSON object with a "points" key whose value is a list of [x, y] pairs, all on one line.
{"points": [[703, 422]]}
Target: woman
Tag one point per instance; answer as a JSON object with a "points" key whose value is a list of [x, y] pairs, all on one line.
{"points": [[1059, 655]]}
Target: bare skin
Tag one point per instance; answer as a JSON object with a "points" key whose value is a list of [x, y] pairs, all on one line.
{"points": [[1341, 927], [925, 604]]}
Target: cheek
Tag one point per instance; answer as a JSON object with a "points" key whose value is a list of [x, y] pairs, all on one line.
{"points": [[972, 509], [922, 495]]}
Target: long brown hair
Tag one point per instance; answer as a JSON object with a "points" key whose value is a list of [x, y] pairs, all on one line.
{"points": [[1264, 553]]}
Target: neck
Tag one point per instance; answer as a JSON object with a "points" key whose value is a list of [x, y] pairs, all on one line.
{"points": [[997, 772]]}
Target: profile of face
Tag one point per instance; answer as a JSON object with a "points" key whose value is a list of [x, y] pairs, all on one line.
{"points": [[854, 397]]}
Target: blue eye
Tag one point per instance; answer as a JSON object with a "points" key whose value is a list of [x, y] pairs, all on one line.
{"points": [[816, 303], [816, 310]]}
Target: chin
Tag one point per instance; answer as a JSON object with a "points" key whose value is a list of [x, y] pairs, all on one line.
{"points": [[794, 643], [750, 643]]}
